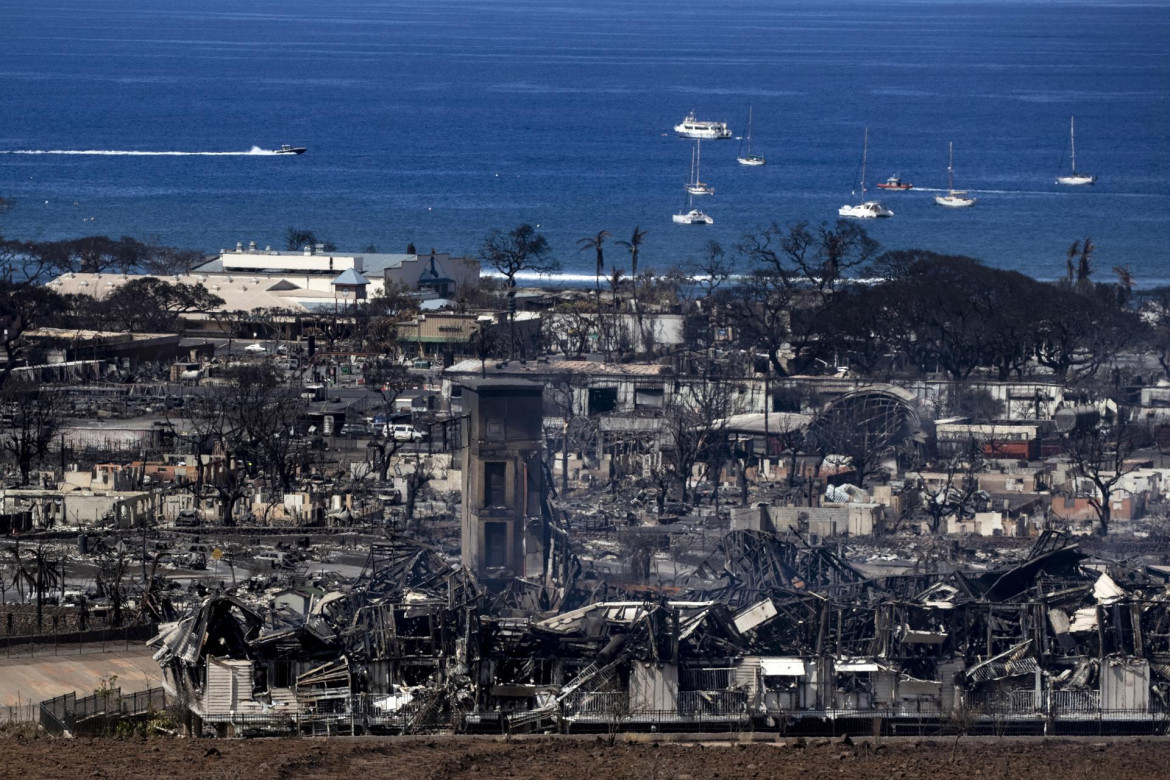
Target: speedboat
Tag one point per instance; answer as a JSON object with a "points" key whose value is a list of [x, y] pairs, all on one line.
{"points": [[869, 209], [692, 217], [702, 130], [895, 183], [286, 149]]}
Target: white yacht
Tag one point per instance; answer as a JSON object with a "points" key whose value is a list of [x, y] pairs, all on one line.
{"points": [[866, 209], [869, 209], [702, 130], [954, 199], [694, 186], [1074, 179]]}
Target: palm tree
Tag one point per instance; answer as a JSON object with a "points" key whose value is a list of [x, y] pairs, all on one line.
{"points": [[633, 244], [1068, 261], [595, 243], [39, 573], [1085, 263], [1125, 282], [615, 281]]}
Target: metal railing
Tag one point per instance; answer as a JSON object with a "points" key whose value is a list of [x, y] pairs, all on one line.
{"points": [[64, 713]]}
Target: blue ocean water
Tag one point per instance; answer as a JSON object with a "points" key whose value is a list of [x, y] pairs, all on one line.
{"points": [[433, 122]]}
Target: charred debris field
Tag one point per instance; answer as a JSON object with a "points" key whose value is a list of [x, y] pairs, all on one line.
{"points": [[569, 758]]}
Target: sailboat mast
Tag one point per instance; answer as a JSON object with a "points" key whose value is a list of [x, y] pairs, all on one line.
{"points": [[951, 166], [1072, 140], [864, 157], [749, 135]]}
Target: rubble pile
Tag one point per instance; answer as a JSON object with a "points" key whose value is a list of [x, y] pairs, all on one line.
{"points": [[768, 632]]}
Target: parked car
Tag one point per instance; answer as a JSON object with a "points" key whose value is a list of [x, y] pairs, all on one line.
{"points": [[275, 560], [356, 430], [402, 432], [188, 518]]}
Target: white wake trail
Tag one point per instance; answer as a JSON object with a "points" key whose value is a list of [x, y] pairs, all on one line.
{"points": [[255, 151]]}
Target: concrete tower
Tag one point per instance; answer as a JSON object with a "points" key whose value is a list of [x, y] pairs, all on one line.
{"points": [[504, 530]]}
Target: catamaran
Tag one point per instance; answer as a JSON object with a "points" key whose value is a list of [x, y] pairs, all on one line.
{"points": [[692, 215], [702, 130], [694, 186], [955, 199], [749, 158], [866, 209], [1075, 179]]}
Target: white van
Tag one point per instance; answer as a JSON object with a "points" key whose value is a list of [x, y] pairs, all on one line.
{"points": [[406, 433]]}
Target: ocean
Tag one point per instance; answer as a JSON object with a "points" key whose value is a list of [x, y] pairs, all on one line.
{"points": [[434, 122]]}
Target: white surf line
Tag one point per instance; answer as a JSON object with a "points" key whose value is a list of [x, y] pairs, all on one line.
{"points": [[254, 151]]}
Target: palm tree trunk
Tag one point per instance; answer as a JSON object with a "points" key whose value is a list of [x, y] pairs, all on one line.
{"points": [[600, 321]]}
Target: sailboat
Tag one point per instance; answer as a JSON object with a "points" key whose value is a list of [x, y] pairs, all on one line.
{"points": [[692, 215], [955, 199], [749, 158], [1076, 178], [693, 185], [866, 209]]}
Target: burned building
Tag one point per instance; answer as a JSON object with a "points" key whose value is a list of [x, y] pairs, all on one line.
{"points": [[769, 632], [504, 531]]}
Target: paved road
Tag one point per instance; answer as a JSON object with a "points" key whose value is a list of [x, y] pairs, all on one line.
{"points": [[42, 677]]}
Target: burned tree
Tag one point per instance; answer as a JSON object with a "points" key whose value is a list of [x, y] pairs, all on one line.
{"points": [[951, 488], [387, 378], [565, 422], [415, 469], [695, 432], [796, 274], [277, 409], [24, 301], [35, 414], [1100, 453], [237, 430], [520, 250]]}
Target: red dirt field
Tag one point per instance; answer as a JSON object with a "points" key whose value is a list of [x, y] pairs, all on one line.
{"points": [[440, 758]]}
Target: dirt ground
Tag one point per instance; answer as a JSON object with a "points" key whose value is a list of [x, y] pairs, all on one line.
{"points": [[441, 758]]}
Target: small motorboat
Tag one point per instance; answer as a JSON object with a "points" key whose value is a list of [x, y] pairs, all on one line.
{"points": [[895, 183], [286, 149]]}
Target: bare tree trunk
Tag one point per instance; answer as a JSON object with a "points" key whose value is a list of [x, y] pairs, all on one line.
{"points": [[565, 464]]}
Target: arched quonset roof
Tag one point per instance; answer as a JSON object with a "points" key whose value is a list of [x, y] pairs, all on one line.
{"points": [[885, 415]]}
